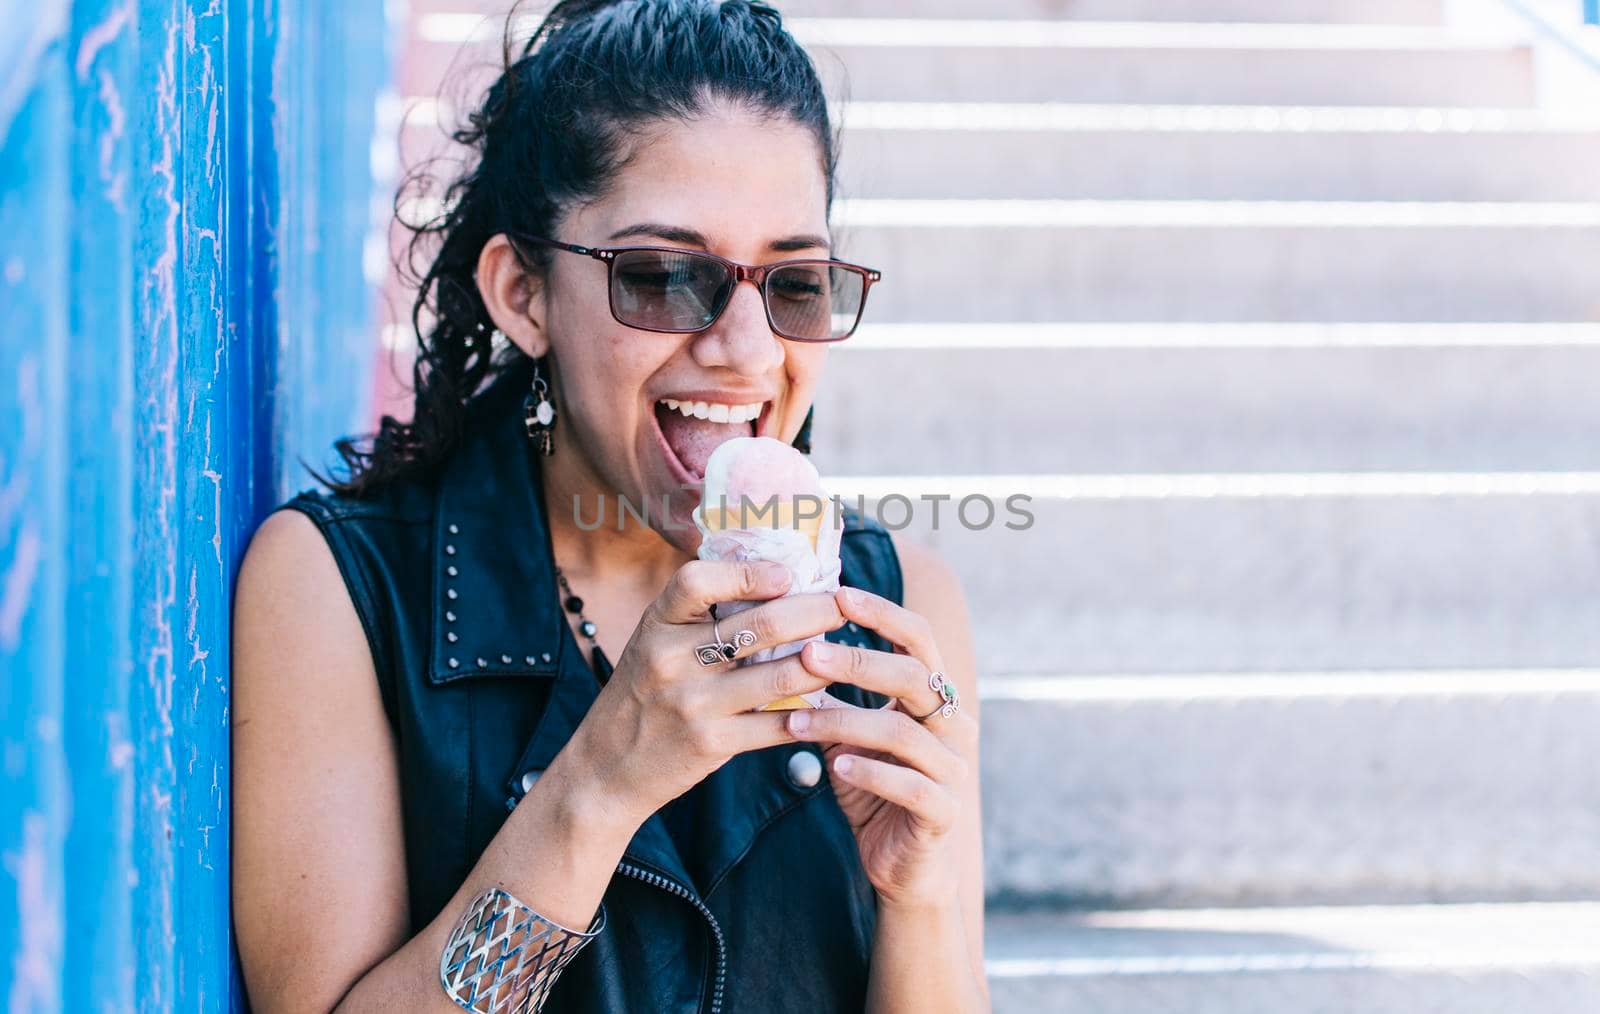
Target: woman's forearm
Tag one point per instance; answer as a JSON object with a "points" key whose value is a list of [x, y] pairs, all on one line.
{"points": [[555, 853], [921, 962]]}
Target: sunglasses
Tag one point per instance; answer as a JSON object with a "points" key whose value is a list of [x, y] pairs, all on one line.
{"points": [[676, 291]]}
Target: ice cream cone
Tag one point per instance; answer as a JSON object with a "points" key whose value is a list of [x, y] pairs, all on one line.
{"points": [[779, 515], [755, 489]]}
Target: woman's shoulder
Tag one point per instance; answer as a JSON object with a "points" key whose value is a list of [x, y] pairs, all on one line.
{"points": [[868, 555], [933, 591], [292, 595], [328, 553], [931, 582], [908, 570], [308, 550], [289, 558], [918, 565]]}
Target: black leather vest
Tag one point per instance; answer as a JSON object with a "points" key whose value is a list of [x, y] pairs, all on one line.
{"points": [[751, 897]]}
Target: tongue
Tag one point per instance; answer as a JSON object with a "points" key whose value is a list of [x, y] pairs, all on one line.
{"points": [[693, 440]]}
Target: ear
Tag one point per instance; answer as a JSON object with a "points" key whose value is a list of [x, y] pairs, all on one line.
{"points": [[514, 296]]}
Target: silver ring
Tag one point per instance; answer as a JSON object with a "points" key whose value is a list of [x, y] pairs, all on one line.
{"points": [[949, 698], [719, 651]]}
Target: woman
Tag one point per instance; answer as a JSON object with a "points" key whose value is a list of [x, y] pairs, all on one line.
{"points": [[426, 766]]}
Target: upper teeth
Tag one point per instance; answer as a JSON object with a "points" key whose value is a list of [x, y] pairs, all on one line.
{"points": [[715, 411]]}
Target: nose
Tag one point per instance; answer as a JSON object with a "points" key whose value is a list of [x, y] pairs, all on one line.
{"points": [[741, 338]]}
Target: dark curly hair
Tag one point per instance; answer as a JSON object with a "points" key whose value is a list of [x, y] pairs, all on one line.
{"points": [[552, 131]]}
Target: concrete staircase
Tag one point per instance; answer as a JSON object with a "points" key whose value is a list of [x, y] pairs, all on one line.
{"points": [[1286, 314], [1291, 332]]}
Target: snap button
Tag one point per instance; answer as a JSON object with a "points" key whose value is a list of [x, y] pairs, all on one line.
{"points": [[528, 779], [805, 768]]}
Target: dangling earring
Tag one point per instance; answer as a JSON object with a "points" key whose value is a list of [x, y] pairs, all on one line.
{"points": [[539, 414]]}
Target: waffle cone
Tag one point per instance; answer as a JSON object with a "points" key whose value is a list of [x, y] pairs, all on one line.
{"points": [[779, 515], [787, 704]]}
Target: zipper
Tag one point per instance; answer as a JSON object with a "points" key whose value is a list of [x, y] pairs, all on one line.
{"points": [[673, 887]]}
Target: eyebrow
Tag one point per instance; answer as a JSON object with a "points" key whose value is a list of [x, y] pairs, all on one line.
{"points": [[679, 234]]}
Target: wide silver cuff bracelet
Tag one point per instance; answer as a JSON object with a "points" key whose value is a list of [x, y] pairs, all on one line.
{"points": [[503, 957]]}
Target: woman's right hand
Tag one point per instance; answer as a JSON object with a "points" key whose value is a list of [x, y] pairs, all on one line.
{"points": [[663, 721]]}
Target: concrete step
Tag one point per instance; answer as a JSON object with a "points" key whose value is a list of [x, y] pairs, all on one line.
{"points": [[1417, 12], [1422, 959], [1376, 12], [920, 60], [1292, 788], [1162, 573], [1044, 150], [1226, 260], [998, 150], [1131, 398]]}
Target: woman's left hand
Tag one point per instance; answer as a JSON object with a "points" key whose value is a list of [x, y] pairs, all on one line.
{"points": [[900, 782]]}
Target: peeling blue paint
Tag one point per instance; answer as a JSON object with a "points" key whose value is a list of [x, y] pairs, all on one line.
{"points": [[23, 48], [181, 277], [34, 291]]}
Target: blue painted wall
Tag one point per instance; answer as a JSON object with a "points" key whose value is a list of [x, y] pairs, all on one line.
{"points": [[184, 195]]}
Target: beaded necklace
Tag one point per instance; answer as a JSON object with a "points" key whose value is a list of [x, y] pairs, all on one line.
{"points": [[586, 627]]}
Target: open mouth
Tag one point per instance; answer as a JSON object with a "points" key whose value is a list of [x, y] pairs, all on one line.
{"points": [[689, 431]]}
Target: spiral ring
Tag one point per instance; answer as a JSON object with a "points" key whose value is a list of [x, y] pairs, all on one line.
{"points": [[719, 651], [949, 698]]}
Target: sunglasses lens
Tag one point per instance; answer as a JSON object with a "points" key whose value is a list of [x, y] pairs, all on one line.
{"points": [[667, 291], [815, 301]]}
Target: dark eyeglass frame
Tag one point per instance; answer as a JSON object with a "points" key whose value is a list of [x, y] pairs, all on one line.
{"points": [[756, 273]]}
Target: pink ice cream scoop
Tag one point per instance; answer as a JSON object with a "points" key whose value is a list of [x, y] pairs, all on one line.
{"points": [[763, 500]]}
